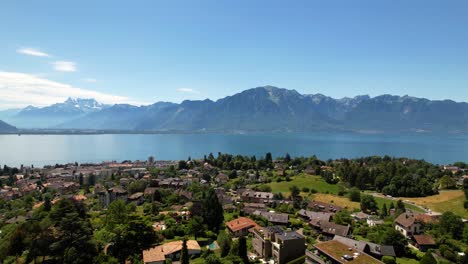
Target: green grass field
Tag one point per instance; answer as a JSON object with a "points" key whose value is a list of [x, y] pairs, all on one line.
{"points": [[445, 201], [303, 180], [381, 201]]}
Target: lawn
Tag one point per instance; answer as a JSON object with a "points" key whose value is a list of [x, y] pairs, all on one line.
{"points": [[407, 261], [445, 201], [341, 201], [381, 201], [303, 180]]}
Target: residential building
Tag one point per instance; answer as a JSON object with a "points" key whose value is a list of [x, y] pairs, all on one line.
{"points": [[274, 218], [407, 224], [323, 207], [424, 242], [335, 252], [256, 197], [137, 198], [274, 243], [375, 250], [240, 226], [315, 216], [288, 246], [330, 229], [171, 250]]}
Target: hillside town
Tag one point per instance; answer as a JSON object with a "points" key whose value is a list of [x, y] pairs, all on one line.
{"points": [[231, 209]]}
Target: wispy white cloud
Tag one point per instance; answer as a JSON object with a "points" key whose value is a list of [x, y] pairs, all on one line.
{"points": [[187, 90], [32, 52], [21, 89], [90, 80], [64, 66]]}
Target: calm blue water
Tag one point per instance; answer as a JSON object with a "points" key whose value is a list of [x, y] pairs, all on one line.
{"points": [[50, 149]]}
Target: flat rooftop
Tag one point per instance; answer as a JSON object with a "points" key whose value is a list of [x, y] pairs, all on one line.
{"points": [[337, 250]]}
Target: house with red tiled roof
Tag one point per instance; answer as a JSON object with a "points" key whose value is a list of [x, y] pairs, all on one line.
{"points": [[170, 250], [240, 226], [424, 242]]}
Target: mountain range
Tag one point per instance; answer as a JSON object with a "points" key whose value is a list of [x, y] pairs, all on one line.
{"points": [[261, 109], [7, 128]]}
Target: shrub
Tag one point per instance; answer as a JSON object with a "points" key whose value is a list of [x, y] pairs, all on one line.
{"points": [[388, 260]]}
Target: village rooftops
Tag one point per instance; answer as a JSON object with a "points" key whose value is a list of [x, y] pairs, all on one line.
{"points": [[427, 218], [367, 247], [288, 235], [117, 190], [315, 216], [254, 194], [424, 240], [278, 218], [241, 223], [406, 220], [325, 207], [340, 252], [333, 229], [159, 253], [135, 196]]}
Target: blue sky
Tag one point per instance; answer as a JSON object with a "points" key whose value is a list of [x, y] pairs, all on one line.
{"points": [[147, 51]]}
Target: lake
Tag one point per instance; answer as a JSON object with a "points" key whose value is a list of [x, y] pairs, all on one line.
{"points": [[41, 150]]}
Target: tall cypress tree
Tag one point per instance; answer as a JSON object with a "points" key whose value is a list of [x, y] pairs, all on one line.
{"points": [[212, 212], [184, 257], [243, 249], [384, 211]]}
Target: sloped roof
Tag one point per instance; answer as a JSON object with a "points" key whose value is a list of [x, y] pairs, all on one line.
{"points": [[424, 240], [316, 216], [382, 250], [159, 253], [334, 229], [241, 223], [405, 219]]}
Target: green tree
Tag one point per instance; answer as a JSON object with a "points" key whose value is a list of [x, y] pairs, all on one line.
{"points": [[91, 180], [343, 217], [389, 260], [368, 203], [396, 239], [184, 256], [137, 186], [195, 226], [295, 192], [17, 242], [47, 203], [224, 243], [354, 194], [212, 259], [243, 249], [428, 258], [212, 210], [451, 224], [384, 211], [400, 207], [116, 214], [182, 165], [132, 238], [74, 242], [268, 158]]}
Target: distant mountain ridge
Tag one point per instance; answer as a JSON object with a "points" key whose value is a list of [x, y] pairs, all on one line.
{"points": [[56, 114], [7, 128], [265, 109]]}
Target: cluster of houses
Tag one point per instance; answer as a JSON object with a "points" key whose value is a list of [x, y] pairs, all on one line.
{"points": [[274, 242]]}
